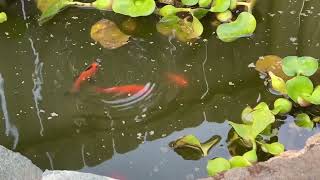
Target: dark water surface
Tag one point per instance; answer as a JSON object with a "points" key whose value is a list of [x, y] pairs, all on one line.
{"points": [[129, 136]]}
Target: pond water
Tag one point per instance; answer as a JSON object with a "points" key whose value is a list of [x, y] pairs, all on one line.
{"points": [[128, 137]]}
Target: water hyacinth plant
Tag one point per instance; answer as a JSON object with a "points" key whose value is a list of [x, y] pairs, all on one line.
{"points": [[180, 19], [254, 122], [299, 87]]}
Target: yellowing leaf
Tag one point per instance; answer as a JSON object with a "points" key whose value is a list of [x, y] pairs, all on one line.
{"points": [[108, 34], [278, 83]]}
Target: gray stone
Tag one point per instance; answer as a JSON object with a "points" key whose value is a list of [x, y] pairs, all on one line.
{"points": [[14, 166], [292, 165], [71, 175]]}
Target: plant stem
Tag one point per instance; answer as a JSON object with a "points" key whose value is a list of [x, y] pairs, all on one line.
{"points": [[81, 4], [249, 4]]}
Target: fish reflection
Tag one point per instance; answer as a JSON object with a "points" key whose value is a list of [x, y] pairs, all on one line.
{"points": [[177, 79], [121, 90]]}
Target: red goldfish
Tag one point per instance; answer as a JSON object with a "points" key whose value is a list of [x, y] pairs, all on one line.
{"points": [[85, 75], [126, 89], [177, 79]]}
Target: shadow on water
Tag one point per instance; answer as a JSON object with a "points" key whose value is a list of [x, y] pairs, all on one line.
{"points": [[129, 135]]}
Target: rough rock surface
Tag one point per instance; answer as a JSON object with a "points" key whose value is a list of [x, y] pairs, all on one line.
{"points": [[71, 175], [14, 166], [293, 165]]}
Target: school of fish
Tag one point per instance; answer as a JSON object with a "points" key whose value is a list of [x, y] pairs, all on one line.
{"points": [[172, 78]]}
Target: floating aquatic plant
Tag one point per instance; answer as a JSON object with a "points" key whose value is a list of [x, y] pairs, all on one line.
{"points": [[255, 121], [243, 26], [190, 147], [3, 17]]}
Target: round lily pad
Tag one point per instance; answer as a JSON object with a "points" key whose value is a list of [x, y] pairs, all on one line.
{"points": [[275, 148], [243, 26], [293, 65], [217, 165], [298, 87], [134, 8]]}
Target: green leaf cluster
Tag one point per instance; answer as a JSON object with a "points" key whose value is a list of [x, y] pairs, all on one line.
{"points": [[244, 25], [299, 88], [218, 165], [255, 121]]}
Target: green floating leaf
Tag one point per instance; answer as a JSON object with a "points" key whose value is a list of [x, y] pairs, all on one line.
{"points": [[200, 12], [204, 3], [189, 2], [293, 65], [188, 140], [251, 156], [169, 10], [206, 146], [233, 4], [134, 8], [3, 17], [275, 148], [102, 4], [282, 106], [262, 106], [53, 9], [315, 96], [220, 5], [239, 161], [217, 165], [243, 131], [182, 29], [262, 119], [224, 16], [257, 120], [189, 147], [298, 87], [243, 26], [303, 120], [278, 84]]}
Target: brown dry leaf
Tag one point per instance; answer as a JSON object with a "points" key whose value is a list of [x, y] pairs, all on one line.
{"points": [[271, 63], [108, 34]]}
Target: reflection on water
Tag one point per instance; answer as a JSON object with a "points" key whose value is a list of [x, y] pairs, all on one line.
{"points": [[11, 130], [37, 81], [129, 135]]}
